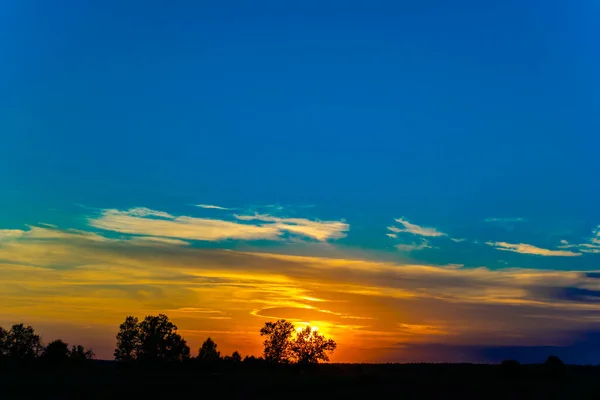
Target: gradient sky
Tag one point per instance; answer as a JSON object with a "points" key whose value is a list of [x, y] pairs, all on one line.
{"points": [[419, 180]]}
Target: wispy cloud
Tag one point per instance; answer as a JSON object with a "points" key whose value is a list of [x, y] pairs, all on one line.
{"points": [[69, 276], [213, 207], [196, 310], [49, 232], [319, 230], [10, 233], [530, 249], [146, 222], [592, 245], [160, 240], [414, 246], [407, 227], [505, 219]]}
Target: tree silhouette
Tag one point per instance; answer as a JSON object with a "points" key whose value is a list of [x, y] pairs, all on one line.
{"points": [[56, 352], [155, 338], [3, 342], [310, 347], [79, 353], [128, 340], [159, 340], [178, 350], [236, 357], [22, 343], [555, 367], [208, 352], [277, 342]]}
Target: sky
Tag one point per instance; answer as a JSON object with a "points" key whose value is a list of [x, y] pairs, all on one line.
{"points": [[419, 180]]}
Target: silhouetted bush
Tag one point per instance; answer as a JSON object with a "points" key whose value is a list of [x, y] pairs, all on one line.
{"points": [[57, 352], [554, 368]]}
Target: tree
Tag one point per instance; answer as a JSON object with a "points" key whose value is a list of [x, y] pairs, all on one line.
{"points": [[79, 353], [208, 352], [555, 367], [310, 347], [178, 349], [159, 340], [236, 357], [3, 342], [22, 343], [56, 352], [128, 340], [277, 342], [155, 338]]}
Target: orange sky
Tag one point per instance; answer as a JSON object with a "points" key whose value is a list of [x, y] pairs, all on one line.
{"points": [[83, 286]]}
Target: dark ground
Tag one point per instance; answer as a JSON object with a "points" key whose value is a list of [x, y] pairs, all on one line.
{"points": [[104, 380]]}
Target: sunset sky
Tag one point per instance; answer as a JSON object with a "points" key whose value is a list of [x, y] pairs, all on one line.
{"points": [[419, 180]]}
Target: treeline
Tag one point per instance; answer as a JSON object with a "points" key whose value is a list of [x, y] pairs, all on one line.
{"points": [[155, 340], [20, 345]]}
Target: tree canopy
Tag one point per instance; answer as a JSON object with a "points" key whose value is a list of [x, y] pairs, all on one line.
{"points": [[79, 353], [208, 352], [21, 343], [307, 346], [155, 338], [277, 341], [128, 340], [310, 347], [57, 351]]}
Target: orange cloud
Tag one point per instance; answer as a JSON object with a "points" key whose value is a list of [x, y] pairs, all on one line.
{"points": [[52, 278]]}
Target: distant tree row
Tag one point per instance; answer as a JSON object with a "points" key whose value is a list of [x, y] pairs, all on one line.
{"points": [[156, 339], [21, 344]]}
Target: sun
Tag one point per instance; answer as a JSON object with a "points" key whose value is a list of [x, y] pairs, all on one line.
{"points": [[305, 324]]}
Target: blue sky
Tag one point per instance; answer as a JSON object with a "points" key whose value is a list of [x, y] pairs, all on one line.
{"points": [[435, 133]]}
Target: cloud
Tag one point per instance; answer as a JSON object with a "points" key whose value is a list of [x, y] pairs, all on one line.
{"points": [[407, 227], [213, 207], [48, 232], [319, 230], [70, 277], [146, 222], [529, 249], [414, 329], [592, 246], [416, 230], [196, 310], [504, 220], [10, 233], [146, 212], [414, 246], [159, 240]]}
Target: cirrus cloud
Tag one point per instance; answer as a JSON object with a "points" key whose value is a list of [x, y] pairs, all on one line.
{"points": [[530, 249], [415, 229], [146, 222]]}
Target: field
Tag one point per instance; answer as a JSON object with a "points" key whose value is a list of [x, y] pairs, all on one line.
{"points": [[106, 380]]}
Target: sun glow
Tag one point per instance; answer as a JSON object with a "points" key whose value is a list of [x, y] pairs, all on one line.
{"points": [[303, 325]]}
